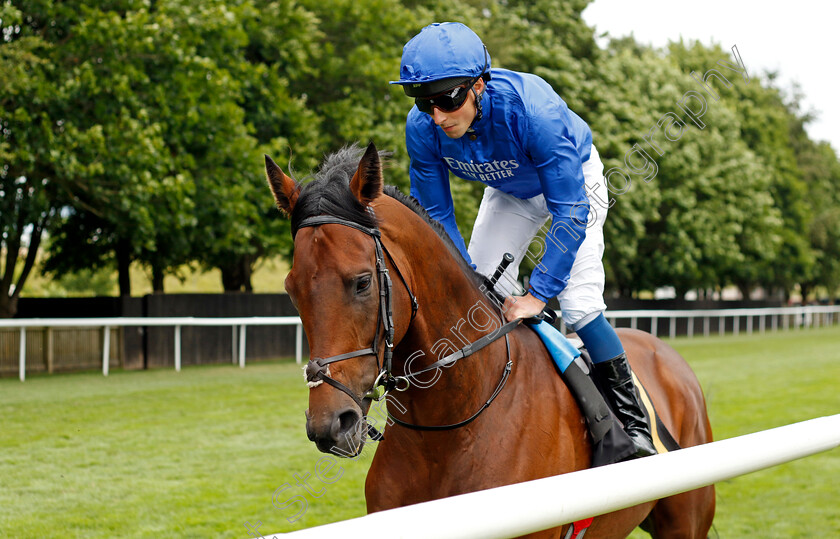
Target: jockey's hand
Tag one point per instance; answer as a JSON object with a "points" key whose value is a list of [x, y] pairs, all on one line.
{"points": [[522, 307]]}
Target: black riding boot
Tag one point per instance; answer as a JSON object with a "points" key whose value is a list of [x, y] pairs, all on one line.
{"points": [[591, 402], [616, 376]]}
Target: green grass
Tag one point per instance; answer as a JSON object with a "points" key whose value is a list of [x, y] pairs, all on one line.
{"points": [[758, 382], [199, 453], [157, 454]]}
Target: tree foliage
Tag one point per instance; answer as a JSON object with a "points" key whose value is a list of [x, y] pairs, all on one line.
{"points": [[703, 218], [28, 143], [134, 131]]}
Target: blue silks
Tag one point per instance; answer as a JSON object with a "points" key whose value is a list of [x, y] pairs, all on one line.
{"points": [[600, 340], [562, 351], [527, 143]]}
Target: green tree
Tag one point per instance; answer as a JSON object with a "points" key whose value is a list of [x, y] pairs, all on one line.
{"points": [[110, 157], [166, 102], [705, 220], [820, 169], [360, 49], [29, 192], [133, 131], [765, 122], [278, 46]]}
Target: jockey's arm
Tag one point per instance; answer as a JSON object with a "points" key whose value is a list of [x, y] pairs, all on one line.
{"points": [[561, 177], [430, 185]]}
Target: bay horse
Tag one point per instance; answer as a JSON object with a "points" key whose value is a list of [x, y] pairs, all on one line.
{"points": [[382, 293]]}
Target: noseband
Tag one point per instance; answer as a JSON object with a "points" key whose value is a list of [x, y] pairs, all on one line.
{"points": [[318, 368]]}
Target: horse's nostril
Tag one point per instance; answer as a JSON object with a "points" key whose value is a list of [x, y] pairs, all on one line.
{"points": [[344, 423], [349, 420]]}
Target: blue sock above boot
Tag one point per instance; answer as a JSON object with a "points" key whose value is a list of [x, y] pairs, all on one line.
{"points": [[600, 340]]}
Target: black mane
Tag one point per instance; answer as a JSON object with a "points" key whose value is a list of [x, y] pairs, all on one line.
{"points": [[414, 205], [329, 194]]}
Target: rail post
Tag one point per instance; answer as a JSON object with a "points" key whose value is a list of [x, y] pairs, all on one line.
{"points": [[177, 348], [106, 350], [299, 344], [242, 345], [22, 354]]}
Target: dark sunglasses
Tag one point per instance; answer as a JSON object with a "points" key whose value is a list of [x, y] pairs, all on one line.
{"points": [[448, 101]]}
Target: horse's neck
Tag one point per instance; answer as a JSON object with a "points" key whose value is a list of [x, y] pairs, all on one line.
{"points": [[451, 304], [453, 313]]}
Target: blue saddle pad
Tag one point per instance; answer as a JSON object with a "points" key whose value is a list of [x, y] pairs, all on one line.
{"points": [[562, 351]]}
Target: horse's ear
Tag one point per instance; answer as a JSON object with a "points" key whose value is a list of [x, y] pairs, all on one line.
{"points": [[366, 184], [285, 189]]}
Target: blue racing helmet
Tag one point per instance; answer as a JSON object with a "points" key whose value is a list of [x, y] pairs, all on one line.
{"points": [[442, 56]]}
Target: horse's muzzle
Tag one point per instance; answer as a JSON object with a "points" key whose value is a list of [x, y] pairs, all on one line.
{"points": [[337, 432]]}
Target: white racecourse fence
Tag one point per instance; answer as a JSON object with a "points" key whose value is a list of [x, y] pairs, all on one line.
{"points": [[784, 317], [522, 508], [768, 318], [239, 325]]}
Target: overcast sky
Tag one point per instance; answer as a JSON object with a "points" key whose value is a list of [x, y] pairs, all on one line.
{"points": [[800, 40]]}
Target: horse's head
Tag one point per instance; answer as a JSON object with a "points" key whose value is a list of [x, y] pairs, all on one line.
{"points": [[335, 282]]}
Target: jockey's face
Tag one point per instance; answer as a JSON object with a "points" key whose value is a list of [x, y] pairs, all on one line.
{"points": [[455, 123]]}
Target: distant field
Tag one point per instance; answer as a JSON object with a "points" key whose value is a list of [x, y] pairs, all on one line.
{"points": [[200, 453]]}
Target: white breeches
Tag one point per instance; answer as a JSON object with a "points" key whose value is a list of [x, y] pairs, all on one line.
{"points": [[506, 224]]}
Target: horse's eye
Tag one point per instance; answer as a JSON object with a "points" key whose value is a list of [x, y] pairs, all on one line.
{"points": [[362, 283]]}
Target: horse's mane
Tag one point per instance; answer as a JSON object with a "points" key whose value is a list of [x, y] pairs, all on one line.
{"points": [[414, 205], [329, 194]]}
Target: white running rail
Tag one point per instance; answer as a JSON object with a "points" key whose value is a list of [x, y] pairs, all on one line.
{"points": [[768, 318], [774, 317], [514, 510], [242, 323]]}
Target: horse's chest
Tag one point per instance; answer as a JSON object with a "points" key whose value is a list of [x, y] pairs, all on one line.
{"points": [[417, 476]]}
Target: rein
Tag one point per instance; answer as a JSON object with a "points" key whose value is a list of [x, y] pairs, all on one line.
{"points": [[460, 354], [317, 369]]}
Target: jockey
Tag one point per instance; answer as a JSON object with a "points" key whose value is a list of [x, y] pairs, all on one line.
{"points": [[513, 133]]}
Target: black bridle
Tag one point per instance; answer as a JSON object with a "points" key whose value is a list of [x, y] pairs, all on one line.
{"points": [[317, 369]]}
